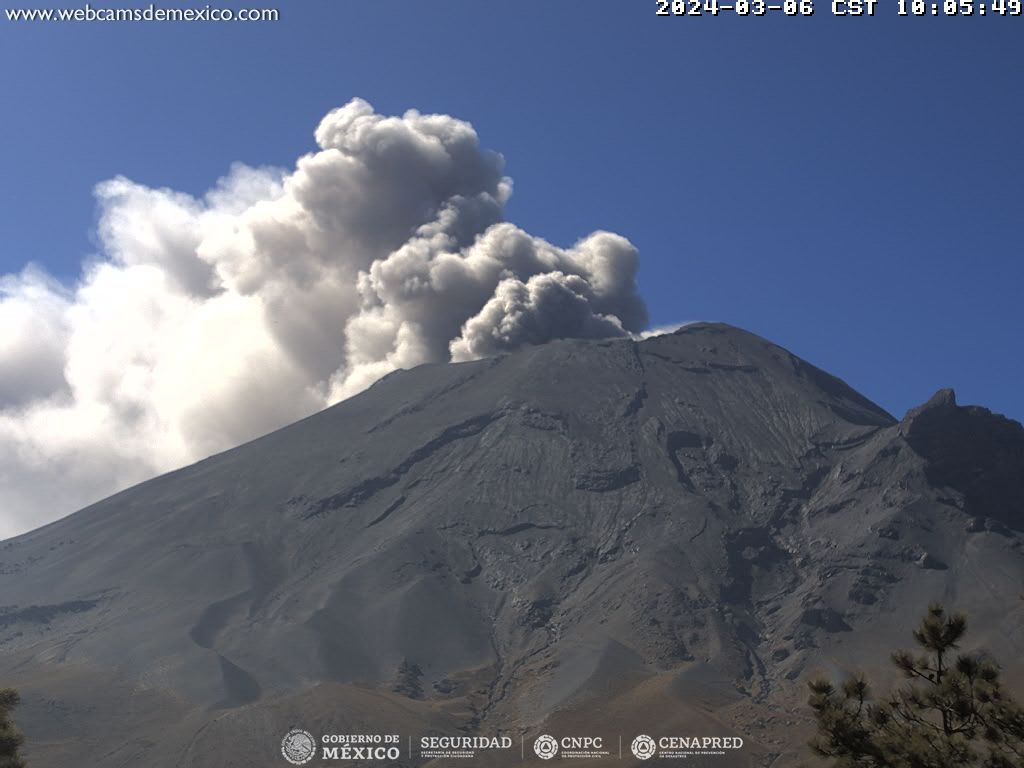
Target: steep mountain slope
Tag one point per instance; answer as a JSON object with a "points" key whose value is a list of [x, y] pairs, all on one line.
{"points": [[657, 536]]}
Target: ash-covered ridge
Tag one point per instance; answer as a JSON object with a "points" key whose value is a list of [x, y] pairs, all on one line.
{"points": [[671, 533]]}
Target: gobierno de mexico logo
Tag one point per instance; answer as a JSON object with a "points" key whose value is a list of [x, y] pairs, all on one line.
{"points": [[298, 746]]}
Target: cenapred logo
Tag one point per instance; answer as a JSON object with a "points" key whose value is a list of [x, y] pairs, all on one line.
{"points": [[643, 747], [682, 747], [298, 746], [546, 747]]}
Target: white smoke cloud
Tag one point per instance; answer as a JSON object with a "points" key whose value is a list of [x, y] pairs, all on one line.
{"points": [[204, 322]]}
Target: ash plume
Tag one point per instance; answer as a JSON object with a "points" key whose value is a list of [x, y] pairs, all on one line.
{"points": [[206, 321]]}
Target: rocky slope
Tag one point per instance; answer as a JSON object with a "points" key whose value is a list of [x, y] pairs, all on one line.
{"points": [[665, 536]]}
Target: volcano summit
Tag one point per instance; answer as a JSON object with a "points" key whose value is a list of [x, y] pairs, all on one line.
{"points": [[658, 537]]}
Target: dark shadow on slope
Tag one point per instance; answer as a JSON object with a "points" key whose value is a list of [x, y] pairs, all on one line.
{"points": [[973, 451], [240, 688]]}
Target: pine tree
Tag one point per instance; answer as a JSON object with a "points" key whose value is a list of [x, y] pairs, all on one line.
{"points": [[951, 713], [10, 738]]}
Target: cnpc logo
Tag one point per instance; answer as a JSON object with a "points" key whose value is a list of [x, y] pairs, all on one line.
{"points": [[547, 747]]}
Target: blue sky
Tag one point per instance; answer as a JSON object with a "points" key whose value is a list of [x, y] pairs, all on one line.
{"points": [[852, 189]]}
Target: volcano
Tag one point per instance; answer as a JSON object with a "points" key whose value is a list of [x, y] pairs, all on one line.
{"points": [[612, 538]]}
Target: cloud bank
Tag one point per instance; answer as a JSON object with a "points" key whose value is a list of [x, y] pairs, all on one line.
{"points": [[205, 322]]}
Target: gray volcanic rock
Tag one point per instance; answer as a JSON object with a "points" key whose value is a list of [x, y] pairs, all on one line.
{"points": [[665, 536]]}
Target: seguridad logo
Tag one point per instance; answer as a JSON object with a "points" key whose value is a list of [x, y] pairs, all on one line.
{"points": [[460, 747]]}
